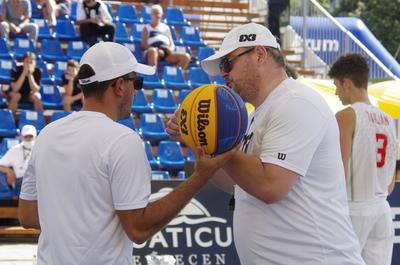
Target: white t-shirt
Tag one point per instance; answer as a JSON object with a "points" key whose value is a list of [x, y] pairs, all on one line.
{"points": [[295, 129], [160, 34], [17, 157], [83, 168], [102, 11]]}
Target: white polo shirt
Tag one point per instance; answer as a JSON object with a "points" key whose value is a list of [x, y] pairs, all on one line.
{"points": [[295, 129], [83, 168], [16, 157]]}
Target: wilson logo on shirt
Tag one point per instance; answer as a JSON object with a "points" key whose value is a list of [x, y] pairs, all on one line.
{"points": [[281, 156]]}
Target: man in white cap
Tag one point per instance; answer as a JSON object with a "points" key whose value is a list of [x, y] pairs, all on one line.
{"points": [[88, 182], [15, 162], [288, 179]]}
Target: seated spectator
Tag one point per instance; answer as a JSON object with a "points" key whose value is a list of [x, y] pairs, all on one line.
{"points": [[54, 8], [158, 42], [15, 162], [25, 83], [72, 94], [15, 15], [94, 21]]}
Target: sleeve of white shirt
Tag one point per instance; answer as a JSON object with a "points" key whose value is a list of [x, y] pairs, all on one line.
{"points": [[80, 12], [130, 173], [28, 189], [293, 135], [6, 160], [104, 12]]}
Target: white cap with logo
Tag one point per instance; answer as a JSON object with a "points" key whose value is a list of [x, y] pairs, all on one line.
{"points": [[110, 60], [247, 35], [28, 130]]}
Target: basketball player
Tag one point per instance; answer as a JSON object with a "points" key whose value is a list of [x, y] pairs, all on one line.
{"points": [[369, 146], [288, 179], [87, 185]]}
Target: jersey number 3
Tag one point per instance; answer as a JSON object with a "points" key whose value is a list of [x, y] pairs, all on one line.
{"points": [[381, 140]]}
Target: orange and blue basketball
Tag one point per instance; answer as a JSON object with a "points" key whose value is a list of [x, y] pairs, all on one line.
{"points": [[213, 117]]}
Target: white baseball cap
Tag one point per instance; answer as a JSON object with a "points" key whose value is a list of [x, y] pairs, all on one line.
{"points": [[247, 35], [28, 130], [110, 60]]}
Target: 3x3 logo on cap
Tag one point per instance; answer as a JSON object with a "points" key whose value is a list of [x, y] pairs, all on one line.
{"points": [[247, 37]]}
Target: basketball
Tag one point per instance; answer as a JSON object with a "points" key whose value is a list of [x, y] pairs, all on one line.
{"points": [[213, 117]]}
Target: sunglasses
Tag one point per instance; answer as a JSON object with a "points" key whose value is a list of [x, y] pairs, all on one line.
{"points": [[226, 64], [137, 81]]}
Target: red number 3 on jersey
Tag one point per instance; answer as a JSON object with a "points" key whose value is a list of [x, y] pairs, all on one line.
{"points": [[381, 140]]}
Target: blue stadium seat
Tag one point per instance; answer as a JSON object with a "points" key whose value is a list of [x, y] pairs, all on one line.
{"points": [[154, 163], [65, 30], [36, 12], [163, 101], [219, 80], [7, 124], [145, 12], [5, 70], [174, 16], [181, 175], [151, 127], [3, 100], [204, 52], [127, 14], [160, 175], [140, 103], [51, 51], [177, 41], [6, 144], [23, 45], [136, 32], [152, 81], [5, 191], [56, 115], [76, 49], [51, 97], [173, 78], [182, 95], [128, 122], [191, 36], [46, 77], [198, 77], [5, 52], [74, 6], [34, 118], [189, 155], [170, 155], [136, 50], [121, 34], [44, 30], [59, 70]]}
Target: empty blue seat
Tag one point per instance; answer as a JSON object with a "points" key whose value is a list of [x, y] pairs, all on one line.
{"points": [[198, 77], [5, 52], [51, 97], [5, 70], [182, 95], [151, 127], [36, 12], [59, 70], [7, 124], [152, 81], [181, 175], [76, 49], [46, 77], [23, 45], [128, 122], [136, 32], [3, 100], [65, 30], [219, 80], [174, 16], [127, 14], [56, 115], [5, 191], [177, 41], [191, 36], [136, 50], [34, 118], [163, 101], [173, 78], [160, 175], [51, 51], [170, 155], [6, 144], [145, 12], [140, 103], [121, 34], [189, 155], [204, 52], [154, 163], [73, 12], [44, 30]]}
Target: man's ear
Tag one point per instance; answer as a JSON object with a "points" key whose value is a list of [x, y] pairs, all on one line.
{"points": [[119, 88], [347, 83], [261, 53]]}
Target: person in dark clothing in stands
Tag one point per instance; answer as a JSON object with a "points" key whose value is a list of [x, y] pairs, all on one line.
{"points": [[25, 83], [94, 21], [275, 9], [72, 96]]}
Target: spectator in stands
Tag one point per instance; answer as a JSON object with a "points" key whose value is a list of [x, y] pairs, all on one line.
{"points": [[15, 162], [72, 95], [94, 21], [275, 9], [25, 83], [15, 15], [54, 8], [158, 42]]}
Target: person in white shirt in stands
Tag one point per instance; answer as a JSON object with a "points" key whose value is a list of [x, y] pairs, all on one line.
{"points": [[15, 162], [288, 179], [369, 151], [88, 183], [158, 42]]}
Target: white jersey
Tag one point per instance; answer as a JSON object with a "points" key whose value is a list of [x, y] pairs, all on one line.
{"points": [[160, 35], [294, 128], [17, 157], [83, 168], [373, 155]]}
